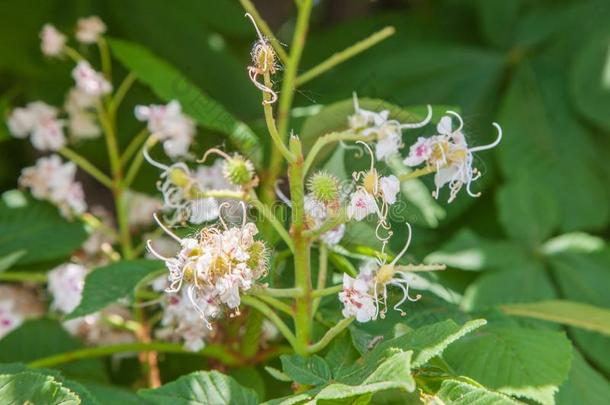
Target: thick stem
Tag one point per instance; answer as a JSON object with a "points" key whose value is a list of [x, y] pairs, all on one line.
{"points": [[302, 246]]}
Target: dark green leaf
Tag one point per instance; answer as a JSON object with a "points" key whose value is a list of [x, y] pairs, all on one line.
{"points": [[106, 285], [584, 385], [306, 370], [28, 387]]}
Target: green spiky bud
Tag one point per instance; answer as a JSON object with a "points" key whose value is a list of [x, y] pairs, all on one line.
{"points": [[324, 187], [238, 170], [257, 256]]}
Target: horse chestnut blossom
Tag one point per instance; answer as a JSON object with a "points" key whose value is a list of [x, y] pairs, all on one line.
{"points": [[52, 180], [364, 296], [90, 81], [447, 153], [169, 125], [17, 303], [263, 64], [217, 264], [387, 132], [80, 107], [89, 29], [52, 42], [39, 121]]}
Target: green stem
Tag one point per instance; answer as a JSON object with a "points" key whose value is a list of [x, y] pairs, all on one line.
{"points": [[327, 291], [331, 223], [23, 276], [87, 166], [105, 57], [121, 92], [330, 138], [214, 351], [73, 54], [277, 304], [134, 146], [136, 164], [345, 54], [417, 173], [302, 246], [277, 292], [322, 273], [273, 317], [270, 216], [330, 335], [262, 25], [275, 136]]}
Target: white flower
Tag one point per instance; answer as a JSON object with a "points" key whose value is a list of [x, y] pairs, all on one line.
{"points": [[52, 42], [140, 208], [361, 204], [180, 322], [217, 266], [389, 187], [89, 29], [9, 318], [448, 154], [65, 283], [83, 125], [39, 120], [89, 81], [388, 145], [356, 299], [53, 180], [170, 125]]}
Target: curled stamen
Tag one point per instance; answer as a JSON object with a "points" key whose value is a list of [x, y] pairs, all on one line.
{"points": [[260, 36], [254, 73], [459, 118], [166, 229], [150, 159], [419, 124], [404, 249], [359, 153], [371, 154], [220, 218], [491, 145], [216, 151], [244, 213], [150, 248]]}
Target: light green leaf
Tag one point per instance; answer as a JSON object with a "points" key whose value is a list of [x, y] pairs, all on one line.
{"points": [[106, 285], [306, 370], [569, 313], [341, 354], [527, 210], [455, 392], [38, 228], [201, 388], [277, 374], [33, 388], [8, 260], [530, 363], [584, 385], [576, 242], [170, 84]]}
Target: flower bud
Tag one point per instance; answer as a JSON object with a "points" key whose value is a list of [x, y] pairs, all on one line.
{"points": [[324, 187], [179, 177], [238, 170]]}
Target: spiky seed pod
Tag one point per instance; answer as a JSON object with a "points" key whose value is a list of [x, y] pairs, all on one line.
{"points": [[324, 187], [238, 170]]}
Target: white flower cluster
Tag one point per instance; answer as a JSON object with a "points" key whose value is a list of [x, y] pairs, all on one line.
{"points": [[52, 180], [217, 265], [169, 125], [65, 284], [90, 81], [448, 154], [39, 121], [317, 213], [363, 296], [17, 304], [88, 31], [82, 123], [52, 42]]}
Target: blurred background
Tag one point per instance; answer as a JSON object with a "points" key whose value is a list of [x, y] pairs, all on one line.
{"points": [[539, 68]]}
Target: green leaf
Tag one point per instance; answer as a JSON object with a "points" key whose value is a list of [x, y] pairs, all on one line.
{"points": [[590, 78], [518, 361], [455, 392], [306, 370], [169, 84], [527, 210], [107, 394], [277, 374], [36, 227], [525, 283], [569, 313], [341, 354], [584, 385], [33, 388], [202, 388], [497, 19], [39, 338], [107, 284]]}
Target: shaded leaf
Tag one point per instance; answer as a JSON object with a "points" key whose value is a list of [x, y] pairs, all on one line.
{"points": [[29, 387], [584, 385], [306, 370]]}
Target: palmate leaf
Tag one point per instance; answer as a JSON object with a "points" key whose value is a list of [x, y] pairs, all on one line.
{"points": [[201, 388], [169, 84], [37, 228], [107, 284], [33, 388], [529, 363], [584, 385]]}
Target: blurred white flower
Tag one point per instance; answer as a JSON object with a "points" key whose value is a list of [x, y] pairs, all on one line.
{"points": [[65, 283], [39, 120], [140, 208], [169, 125], [89, 29], [52, 42], [82, 122], [53, 180], [9, 318], [89, 81]]}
